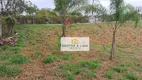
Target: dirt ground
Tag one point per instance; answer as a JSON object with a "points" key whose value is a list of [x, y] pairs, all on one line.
{"points": [[127, 36]]}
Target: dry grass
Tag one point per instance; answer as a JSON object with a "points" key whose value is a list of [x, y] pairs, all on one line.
{"points": [[128, 52]]}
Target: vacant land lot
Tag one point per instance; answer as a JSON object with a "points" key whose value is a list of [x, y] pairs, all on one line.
{"points": [[36, 55]]}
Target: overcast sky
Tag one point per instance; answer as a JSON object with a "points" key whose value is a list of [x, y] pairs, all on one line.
{"points": [[105, 3]]}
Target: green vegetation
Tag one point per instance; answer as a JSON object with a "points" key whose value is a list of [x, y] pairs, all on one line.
{"points": [[19, 59], [109, 74], [49, 59], [87, 68], [73, 64], [119, 69], [53, 58], [30, 40], [121, 78], [9, 70], [131, 76], [11, 58], [67, 56], [37, 55]]}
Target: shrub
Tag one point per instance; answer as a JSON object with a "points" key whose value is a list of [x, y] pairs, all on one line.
{"points": [[9, 22]]}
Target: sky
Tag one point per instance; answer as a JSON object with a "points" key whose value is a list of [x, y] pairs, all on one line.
{"points": [[105, 3]]}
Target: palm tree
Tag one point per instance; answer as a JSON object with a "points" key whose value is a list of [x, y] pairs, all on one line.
{"points": [[95, 9], [63, 7], [121, 14]]}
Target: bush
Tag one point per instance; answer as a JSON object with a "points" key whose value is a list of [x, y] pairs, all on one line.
{"points": [[49, 59], [10, 20], [50, 19], [9, 23]]}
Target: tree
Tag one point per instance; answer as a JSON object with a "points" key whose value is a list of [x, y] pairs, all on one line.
{"points": [[31, 10], [121, 14], [75, 13], [49, 14], [10, 7], [42, 12], [0, 30], [94, 10], [63, 7]]}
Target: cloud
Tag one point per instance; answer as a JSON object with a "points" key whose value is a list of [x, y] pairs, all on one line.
{"points": [[105, 3], [43, 3]]}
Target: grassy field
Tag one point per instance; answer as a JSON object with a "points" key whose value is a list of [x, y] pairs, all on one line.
{"points": [[36, 55]]}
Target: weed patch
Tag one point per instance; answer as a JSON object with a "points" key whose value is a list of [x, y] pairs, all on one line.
{"points": [[37, 55], [87, 68], [119, 69], [9, 70], [131, 76], [49, 59], [19, 59], [67, 56], [109, 74]]}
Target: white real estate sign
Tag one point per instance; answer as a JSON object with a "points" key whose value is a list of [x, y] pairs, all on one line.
{"points": [[75, 44]]}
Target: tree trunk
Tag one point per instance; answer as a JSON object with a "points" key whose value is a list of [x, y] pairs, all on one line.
{"points": [[64, 30], [0, 30], [64, 25], [32, 19], [113, 46]]}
